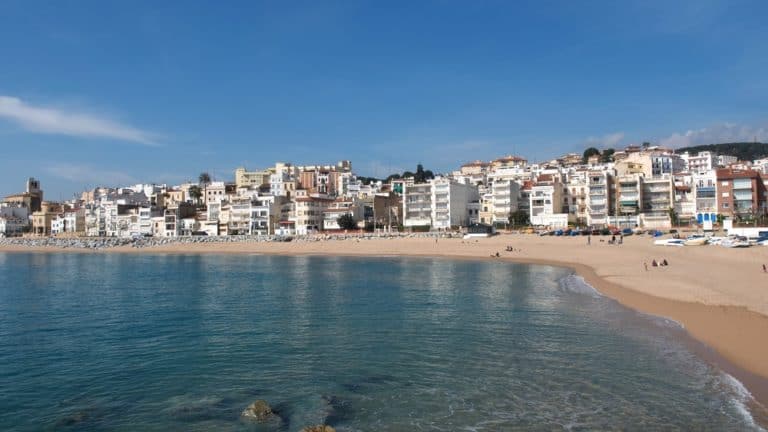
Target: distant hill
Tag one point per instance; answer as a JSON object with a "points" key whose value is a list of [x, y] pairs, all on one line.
{"points": [[745, 151]]}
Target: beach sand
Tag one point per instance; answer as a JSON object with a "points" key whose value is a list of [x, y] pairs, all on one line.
{"points": [[719, 295]]}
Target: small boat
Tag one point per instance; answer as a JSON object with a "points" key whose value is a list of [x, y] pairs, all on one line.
{"points": [[735, 242], [669, 242], [695, 241]]}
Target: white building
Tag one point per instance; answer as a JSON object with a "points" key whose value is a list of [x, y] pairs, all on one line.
{"points": [[215, 193], [546, 204], [598, 198], [504, 201], [440, 204]]}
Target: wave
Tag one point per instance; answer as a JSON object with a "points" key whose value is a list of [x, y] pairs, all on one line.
{"points": [[576, 284], [740, 399]]}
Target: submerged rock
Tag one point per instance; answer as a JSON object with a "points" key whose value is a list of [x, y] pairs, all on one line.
{"points": [[73, 419], [259, 411], [318, 428]]}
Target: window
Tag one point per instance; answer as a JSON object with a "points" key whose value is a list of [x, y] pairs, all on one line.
{"points": [[724, 183], [725, 205], [725, 194]]}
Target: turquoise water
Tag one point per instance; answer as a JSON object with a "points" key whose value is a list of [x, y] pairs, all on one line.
{"points": [[141, 342]]}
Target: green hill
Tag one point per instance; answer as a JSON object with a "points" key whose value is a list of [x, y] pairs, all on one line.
{"points": [[745, 151]]}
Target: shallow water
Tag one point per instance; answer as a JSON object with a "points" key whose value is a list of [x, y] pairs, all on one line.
{"points": [[141, 342]]}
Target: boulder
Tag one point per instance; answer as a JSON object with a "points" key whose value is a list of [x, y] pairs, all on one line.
{"points": [[259, 411], [318, 428]]}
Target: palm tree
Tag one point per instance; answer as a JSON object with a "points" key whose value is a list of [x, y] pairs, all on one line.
{"points": [[195, 193], [204, 179]]}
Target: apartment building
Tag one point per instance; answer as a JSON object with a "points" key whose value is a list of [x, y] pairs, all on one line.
{"points": [[308, 213], [657, 199], [628, 201], [251, 179], [546, 203], [504, 196], [599, 204], [740, 193], [417, 204]]}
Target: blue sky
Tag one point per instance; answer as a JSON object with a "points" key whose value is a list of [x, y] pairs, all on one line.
{"points": [[107, 93]]}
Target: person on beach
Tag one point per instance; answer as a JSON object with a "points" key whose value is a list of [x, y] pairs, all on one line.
{"points": [[654, 263], [589, 239], [764, 269], [646, 266], [664, 263]]}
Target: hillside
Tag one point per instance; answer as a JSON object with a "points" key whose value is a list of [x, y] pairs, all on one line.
{"points": [[745, 151]]}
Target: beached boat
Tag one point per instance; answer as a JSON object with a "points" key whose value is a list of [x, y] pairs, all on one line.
{"points": [[669, 242], [735, 242], [695, 241]]}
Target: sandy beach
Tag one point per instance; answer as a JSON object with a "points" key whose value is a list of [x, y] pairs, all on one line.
{"points": [[719, 295]]}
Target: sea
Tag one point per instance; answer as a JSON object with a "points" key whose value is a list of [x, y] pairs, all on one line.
{"points": [[141, 342]]}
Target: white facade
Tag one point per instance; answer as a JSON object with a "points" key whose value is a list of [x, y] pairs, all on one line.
{"points": [[441, 203], [546, 206], [504, 198], [215, 193], [598, 199]]}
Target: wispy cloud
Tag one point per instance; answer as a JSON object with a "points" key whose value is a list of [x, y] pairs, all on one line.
{"points": [[49, 120], [606, 141], [88, 175], [717, 133]]}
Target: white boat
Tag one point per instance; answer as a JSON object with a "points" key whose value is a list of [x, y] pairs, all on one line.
{"points": [[669, 242], [735, 242], [695, 241]]}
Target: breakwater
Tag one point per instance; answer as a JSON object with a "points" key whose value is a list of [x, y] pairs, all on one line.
{"points": [[97, 243]]}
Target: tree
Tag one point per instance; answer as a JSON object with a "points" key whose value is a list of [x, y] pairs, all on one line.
{"points": [[419, 176], [519, 218], [204, 179], [195, 193], [590, 152], [346, 222], [646, 144], [673, 218], [607, 155]]}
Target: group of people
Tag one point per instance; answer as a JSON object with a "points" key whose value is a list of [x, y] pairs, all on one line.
{"points": [[654, 263]]}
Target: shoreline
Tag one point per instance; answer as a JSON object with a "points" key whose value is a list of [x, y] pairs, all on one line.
{"points": [[729, 334]]}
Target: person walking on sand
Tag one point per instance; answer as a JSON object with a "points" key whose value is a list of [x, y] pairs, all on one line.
{"points": [[646, 266], [589, 240], [764, 269]]}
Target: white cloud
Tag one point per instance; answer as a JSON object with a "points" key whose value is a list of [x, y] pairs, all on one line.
{"points": [[715, 134], [606, 141], [87, 175], [55, 121]]}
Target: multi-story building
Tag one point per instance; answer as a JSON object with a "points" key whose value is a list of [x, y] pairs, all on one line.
{"points": [[417, 205], [504, 201], [704, 186], [251, 179], [546, 203], [628, 200], [740, 193], [575, 198], [215, 193], [41, 220], [440, 203], [308, 213], [14, 219], [31, 198], [657, 199], [450, 203], [599, 205]]}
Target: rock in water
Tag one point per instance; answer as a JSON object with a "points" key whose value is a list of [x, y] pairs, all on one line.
{"points": [[259, 411], [318, 428]]}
